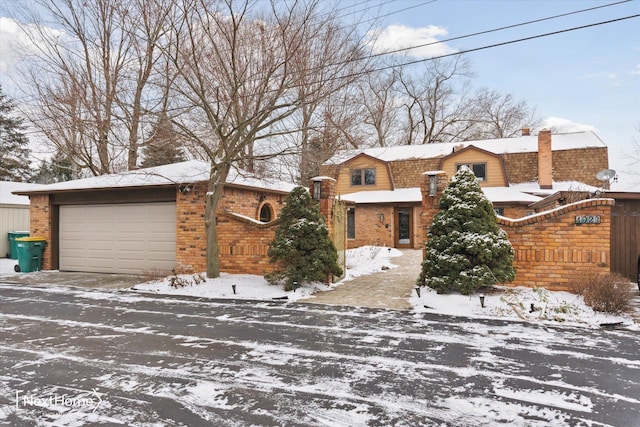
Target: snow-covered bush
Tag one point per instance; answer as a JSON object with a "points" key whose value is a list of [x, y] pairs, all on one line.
{"points": [[465, 248], [302, 249]]}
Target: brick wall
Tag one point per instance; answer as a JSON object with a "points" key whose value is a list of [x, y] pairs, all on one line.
{"points": [[517, 211], [40, 224], [551, 249], [191, 238], [243, 242], [369, 229]]}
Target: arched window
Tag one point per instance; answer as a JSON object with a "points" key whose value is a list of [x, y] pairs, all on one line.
{"points": [[266, 213]]}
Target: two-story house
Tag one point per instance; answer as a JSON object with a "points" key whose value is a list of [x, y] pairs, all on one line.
{"points": [[381, 186]]}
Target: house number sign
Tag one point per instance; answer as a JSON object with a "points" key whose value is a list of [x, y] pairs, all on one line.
{"points": [[588, 219]]}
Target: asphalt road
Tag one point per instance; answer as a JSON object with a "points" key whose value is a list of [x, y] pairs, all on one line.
{"points": [[87, 357]]}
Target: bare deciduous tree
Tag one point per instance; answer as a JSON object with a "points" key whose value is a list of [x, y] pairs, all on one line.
{"points": [[90, 76], [496, 115], [239, 81], [328, 64], [381, 109], [435, 101]]}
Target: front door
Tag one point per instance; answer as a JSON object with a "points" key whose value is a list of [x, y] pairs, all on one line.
{"points": [[404, 229]]}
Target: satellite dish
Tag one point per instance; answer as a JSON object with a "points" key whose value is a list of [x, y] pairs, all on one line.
{"points": [[605, 174]]}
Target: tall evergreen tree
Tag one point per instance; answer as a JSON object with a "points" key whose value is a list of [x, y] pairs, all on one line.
{"points": [[59, 169], [302, 248], [164, 146], [466, 249], [14, 150]]}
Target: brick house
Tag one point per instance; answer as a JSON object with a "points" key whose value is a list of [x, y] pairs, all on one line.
{"points": [[152, 220], [381, 186]]}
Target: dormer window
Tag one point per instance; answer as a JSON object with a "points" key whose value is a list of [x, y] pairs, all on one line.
{"points": [[478, 169], [363, 176]]}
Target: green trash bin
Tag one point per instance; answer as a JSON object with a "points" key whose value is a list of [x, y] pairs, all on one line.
{"points": [[12, 236], [29, 254]]}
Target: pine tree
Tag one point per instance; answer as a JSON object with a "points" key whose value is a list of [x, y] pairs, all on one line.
{"points": [[14, 150], [59, 169], [466, 249], [164, 146], [302, 248]]}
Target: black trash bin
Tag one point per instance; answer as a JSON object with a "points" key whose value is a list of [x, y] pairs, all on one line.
{"points": [[29, 254]]}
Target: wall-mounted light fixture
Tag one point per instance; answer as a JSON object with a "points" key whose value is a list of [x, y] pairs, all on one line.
{"points": [[433, 185], [317, 190], [381, 217]]}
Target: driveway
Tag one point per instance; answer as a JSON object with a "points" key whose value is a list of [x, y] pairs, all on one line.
{"points": [[386, 289], [67, 278]]}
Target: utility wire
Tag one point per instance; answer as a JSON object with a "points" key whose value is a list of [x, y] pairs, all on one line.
{"points": [[466, 51], [535, 21], [406, 63]]}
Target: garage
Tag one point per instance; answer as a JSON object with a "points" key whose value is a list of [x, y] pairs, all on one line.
{"points": [[132, 238]]}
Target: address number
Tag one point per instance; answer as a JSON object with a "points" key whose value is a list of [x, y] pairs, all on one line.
{"points": [[588, 219]]}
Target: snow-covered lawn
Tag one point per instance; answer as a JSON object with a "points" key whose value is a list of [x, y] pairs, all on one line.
{"points": [[504, 302]]}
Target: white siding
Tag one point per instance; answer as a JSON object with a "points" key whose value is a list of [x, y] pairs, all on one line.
{"points": [[12, 218]]}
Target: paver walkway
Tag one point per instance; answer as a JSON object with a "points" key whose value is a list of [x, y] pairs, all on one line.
{"points": [[385, 289]]}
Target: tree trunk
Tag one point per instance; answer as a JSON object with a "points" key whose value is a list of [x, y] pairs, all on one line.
{"points": [[217, 178]]}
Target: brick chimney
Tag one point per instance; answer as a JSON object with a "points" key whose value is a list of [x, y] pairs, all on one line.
{"points": [[545, 162], [526, 131]]}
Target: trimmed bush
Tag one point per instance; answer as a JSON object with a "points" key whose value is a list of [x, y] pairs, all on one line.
{"points": [[466, 250], [607, 293], [302, 249]]}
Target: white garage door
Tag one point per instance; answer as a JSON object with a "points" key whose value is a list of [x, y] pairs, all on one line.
{"points": [[125, 238]]}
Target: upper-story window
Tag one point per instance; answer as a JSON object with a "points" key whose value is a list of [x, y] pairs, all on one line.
{"points": [[478, 169], [363, 177]]}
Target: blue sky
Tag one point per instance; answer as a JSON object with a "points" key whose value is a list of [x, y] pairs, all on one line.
{"points": [[583, 79]]}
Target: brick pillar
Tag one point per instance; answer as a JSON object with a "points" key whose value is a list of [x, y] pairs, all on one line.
{"points": [[545, 160], [325, 198], [323, 190], [191, 236], [431, 186], [41, 224]]}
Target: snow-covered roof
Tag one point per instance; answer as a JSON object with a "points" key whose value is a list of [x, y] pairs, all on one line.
{"points": [[177, 173], [385, 196], [6, 192], [508, 195], [534, 187], [518, 193], [521, 144]]}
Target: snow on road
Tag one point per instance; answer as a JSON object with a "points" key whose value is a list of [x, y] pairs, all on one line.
{"points": [[159, 356], [155, 360]]}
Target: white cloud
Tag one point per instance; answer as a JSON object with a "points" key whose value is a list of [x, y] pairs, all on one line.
{"points": [[560, 125], [15, 44], [397, 37], [636, 71], [10, 36]]}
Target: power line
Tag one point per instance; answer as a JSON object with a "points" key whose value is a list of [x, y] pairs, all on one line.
{"points": [[406, 63], [581, 27], [476, 49], [535, 21]]}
